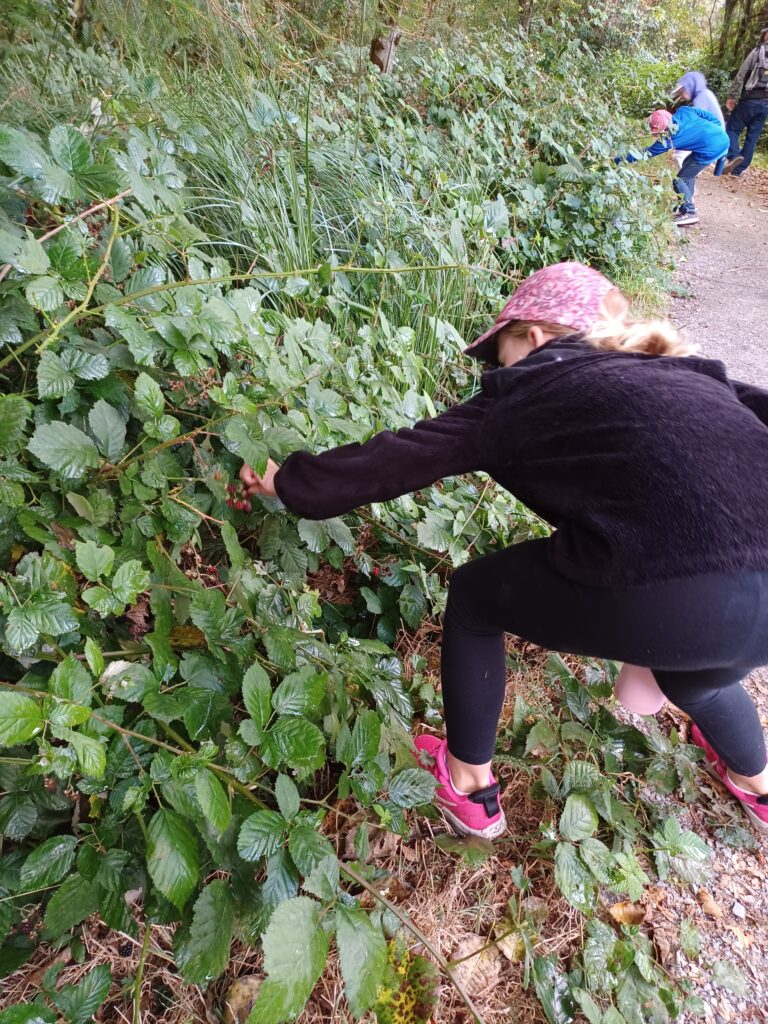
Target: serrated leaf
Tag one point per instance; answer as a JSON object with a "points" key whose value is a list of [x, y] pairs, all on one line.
{"points": [[205, 949], [44, 293], [261, 835], [297, 742], [340, 534], [85, 365], [362, 955], [213, 799], [72, 681], [308, 847], [148, 398], [22, 151], [257, 695], [48, 863], [579, 818], [21, 634], [14, 413], [412, 787], [64, 449], [27, 1013], [81, 1001], [572, 878], [20, 718], [69, 148], [323, 880], [76, 899], [287, 796], [18, 816], [91, 754], [295, 952], [413, 604], [553, 990], [94, 657], [247, 443], [93, 560], [541, 737], [129, 581], [172, 857], [314, 534], [300, 693], [53, 378]]}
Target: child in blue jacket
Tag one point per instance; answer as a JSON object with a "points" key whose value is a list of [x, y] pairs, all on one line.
{"points": [[693, 129]]}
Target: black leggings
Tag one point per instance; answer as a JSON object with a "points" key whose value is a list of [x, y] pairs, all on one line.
{"points": [[699, 636]]}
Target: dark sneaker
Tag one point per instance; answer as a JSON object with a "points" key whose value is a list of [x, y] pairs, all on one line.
{"points": [[732, 164], [474, 814], [682, 219], [755, 806]]}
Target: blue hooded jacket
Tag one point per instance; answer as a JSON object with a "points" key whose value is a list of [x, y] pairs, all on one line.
{"points": [[693, 129]]}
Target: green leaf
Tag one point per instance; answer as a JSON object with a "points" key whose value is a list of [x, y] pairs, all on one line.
{"points": [[53, 379], [541, 736], [91, 754], [314, 534], [366, 737], [80, 1002], [413, 604], [94, 657], [20, 718], [205, 949], [257, 695], [298, 743], [589, 1007], [20, 632], [69, 148], [52, 615], [64, 449], [27, 1013], [362, 955], [308, 847], [108, 427], [213, 799], [287, 797], [412, 787], [247, 443], [572, 878], [18, 816], [323, 880], [22, 151], [129, 581], [92, 560], [172, 857], [579, 818], [44, 293], [14, 413], [372, 601], [76, 899], [148, 398], [340, 534], [295, 952], [85, 365], [261, 835], [553, 990], [300, 693], [48, 863]]}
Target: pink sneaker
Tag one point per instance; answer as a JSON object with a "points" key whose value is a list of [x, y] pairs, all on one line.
{"points": [[474, 814], [756, 807]]}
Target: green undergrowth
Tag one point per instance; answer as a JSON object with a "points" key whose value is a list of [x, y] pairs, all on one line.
{"points": [[296, 259]]}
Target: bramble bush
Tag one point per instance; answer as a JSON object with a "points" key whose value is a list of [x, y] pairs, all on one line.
{"points": [[198, 272]]}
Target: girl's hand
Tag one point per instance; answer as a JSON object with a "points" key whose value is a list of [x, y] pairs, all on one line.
{"points": [[261, 485]]}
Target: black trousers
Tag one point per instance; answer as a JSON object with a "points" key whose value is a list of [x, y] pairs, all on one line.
{"points": [[700, 637]]}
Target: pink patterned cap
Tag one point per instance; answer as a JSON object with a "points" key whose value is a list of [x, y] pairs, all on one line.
{"points": [[659, 121], [565, 293]]}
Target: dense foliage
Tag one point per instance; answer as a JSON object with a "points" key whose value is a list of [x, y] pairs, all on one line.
{"points": [[202, 267]]}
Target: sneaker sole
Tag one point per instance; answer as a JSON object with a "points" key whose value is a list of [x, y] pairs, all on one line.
{"points": [[457, 825], [757, 821]]}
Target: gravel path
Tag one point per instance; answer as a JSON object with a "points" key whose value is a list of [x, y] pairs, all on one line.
{"points": [[723, 275]]}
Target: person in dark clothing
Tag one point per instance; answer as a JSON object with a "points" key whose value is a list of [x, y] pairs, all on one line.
{"points": [[651, 465], [750, 89]]}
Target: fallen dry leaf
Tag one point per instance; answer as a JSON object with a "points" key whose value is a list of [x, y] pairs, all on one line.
{"points": [[627, 913], [509, 940], [745, 940], [480, 971], [708, 904], [240, 997]]}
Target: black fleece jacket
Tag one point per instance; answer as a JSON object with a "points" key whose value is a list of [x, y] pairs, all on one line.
{"points": [[649, 468]]}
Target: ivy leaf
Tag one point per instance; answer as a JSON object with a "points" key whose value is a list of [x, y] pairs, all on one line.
{"points": [[73, 901], [53, 378], [363, 957], [213, 799], [295, 952], [257, 695], [20, 718], [287, 797], [64, 449], [300, 693], [108, 427], [412, 787], [204, 951], [44, 293], [261, 835], [80, 1002], [579, 818], [92, 560], [172, 857], [48, 863]]}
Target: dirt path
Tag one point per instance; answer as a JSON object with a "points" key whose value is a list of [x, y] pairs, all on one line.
{"points": [[723, 275]]}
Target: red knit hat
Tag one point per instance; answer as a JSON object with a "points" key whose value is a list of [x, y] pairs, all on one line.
{"points": [[659, 121], [570, 294]]}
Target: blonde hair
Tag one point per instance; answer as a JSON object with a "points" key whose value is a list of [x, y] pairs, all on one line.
{"points": [[615, 334]]}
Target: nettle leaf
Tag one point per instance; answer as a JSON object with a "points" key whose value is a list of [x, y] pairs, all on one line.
{"points": [[213, 800], [412, 787], [20, 718], [363, 957], [172, 858], [148, 398], [53, 378], [257, 695], [295, 952], [301, 693], [72, 681], [93, 560], [48, 863], [80, 1002], [64, 449], [204, 951], [261, 835], [108, 427], [44, 293], [579, 818]]}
